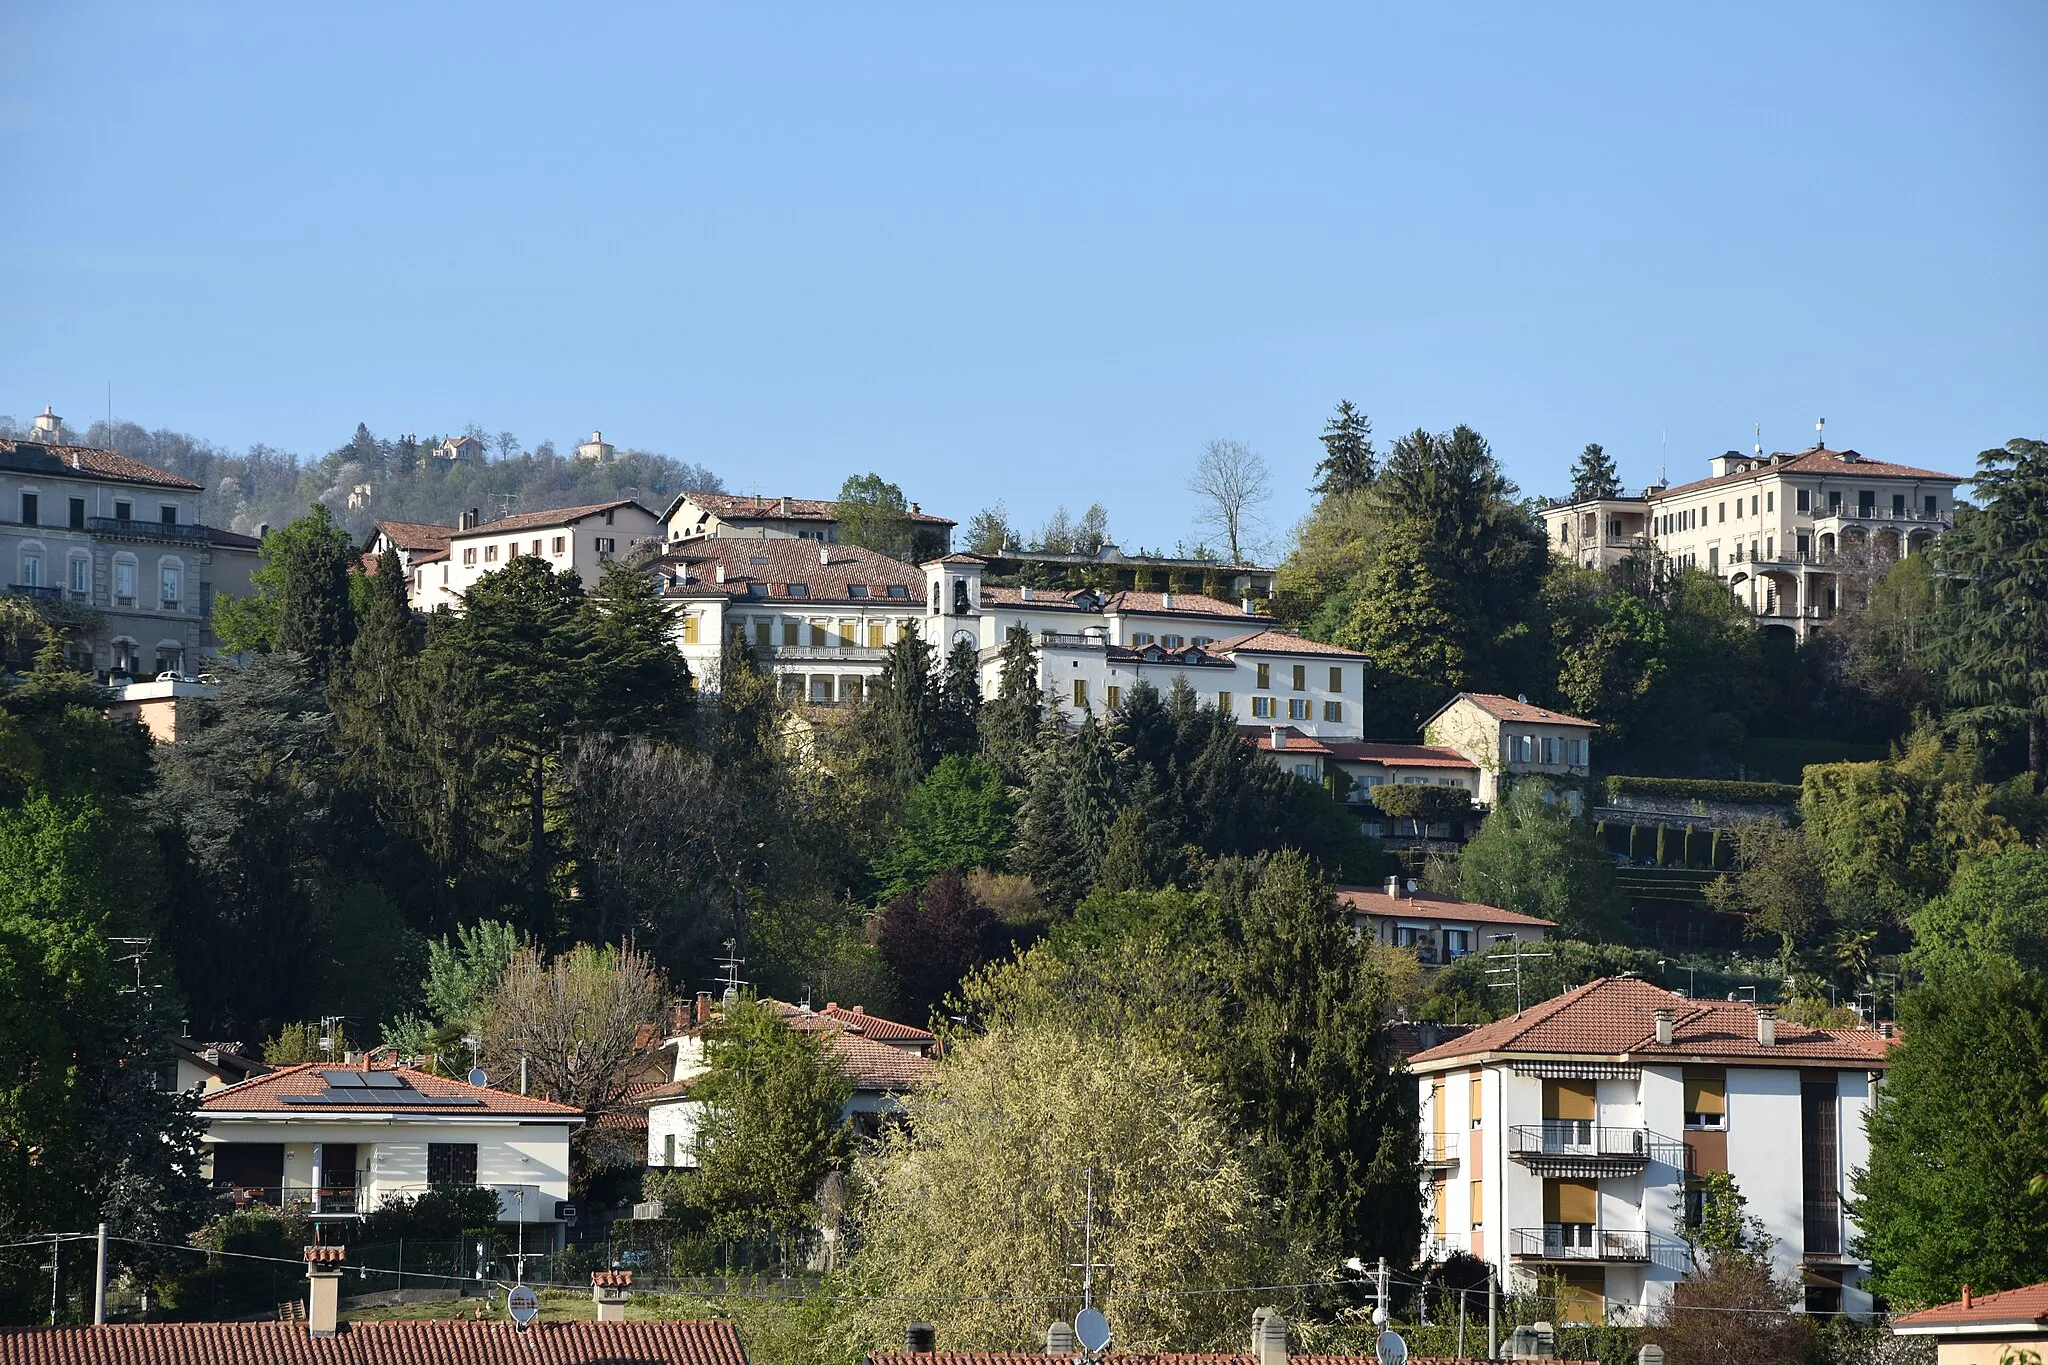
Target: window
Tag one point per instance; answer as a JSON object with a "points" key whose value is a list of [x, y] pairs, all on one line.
{"points": [[1771, 501], [1170, 641], [81, 574], [1930, 504], [167, 513], [1297, 708], [469, 554], [1834, 503], [536, 547], [124, 511], [757, 589], [1457, 942], [1720, 511], [856, 590], [1478, 1203], [1706, 1098], [1579, 753], [560, 543], [1549, 749], [764, 630], [171, 582], [1223, 704], [878, 635], [124, 583], [606, 544], [31, 569], [1713, 557], [1114, 695], [1898, 504], [1336, 680], [1305, 771], [689, 630], [1265, 672], [820, 638], [668, 1149], [1301, 677], [797, 589], [1866, 502], [29, 515], [1201, 640], [1477, 1103], [790, 627], [1333, 712], [490, 554], [1080, 692], [1143, 637], [451, 1163], [1521, 748], [1805, 500], [1262, 708], [1805, 543], [1752, 504], [1770, 547], [898, 590]]}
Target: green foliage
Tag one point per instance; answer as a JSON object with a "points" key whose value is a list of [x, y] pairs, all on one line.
{"points": [[1009, 723], [933, 939], [1724, 1223], [1705, 789], [1420, 802], [302, 599], [989, 532], [1994, 914], [957, 818], [439, 1215], [1532, 856], [296, 1043], [1349, 463], [1609, 671], [770, 1130], [1594, 475], [1778, 883], [1957, 1132], [460, 975], [873, 513]]}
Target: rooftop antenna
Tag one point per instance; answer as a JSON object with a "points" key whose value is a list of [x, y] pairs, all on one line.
{"points": [[1089, 1325], [1820, 434], [1663, 456], [141, 947], [1758, 447], [731, 964], [506, 502], [1509, 973]]}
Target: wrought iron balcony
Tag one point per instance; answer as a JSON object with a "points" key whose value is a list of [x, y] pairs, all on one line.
{"points": [[1565, 1146], [37, 591], [1440, 1149], [178, 532], [1578, 1242]]}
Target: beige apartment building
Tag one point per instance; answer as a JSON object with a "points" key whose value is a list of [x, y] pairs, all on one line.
{"points": [[1796, 536]]}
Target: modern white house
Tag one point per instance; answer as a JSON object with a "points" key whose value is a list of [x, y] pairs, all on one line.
{"points": [[336, 1141], [1440, 929], [1566, 1143], [1795, 535], [579, 540]]}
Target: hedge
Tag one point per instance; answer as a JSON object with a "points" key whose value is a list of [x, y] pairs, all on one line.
{"points": [[1414, 801], [1705, 789]]}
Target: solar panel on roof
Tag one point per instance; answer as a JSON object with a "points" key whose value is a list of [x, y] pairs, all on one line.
{"points": [[342, 1078], [385, 1080]]}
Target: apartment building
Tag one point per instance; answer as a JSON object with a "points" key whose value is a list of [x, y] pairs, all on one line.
{"points": [[334, 1141], [579, 540], [1092, 646], [120, 542], [699, 516], [1507, 737], [1440, 929], [1567, 1143], [1796, 536]]}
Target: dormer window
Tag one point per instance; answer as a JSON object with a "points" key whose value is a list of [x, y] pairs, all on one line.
{"points": [[856, 590], [899, 591], [796, 589]]}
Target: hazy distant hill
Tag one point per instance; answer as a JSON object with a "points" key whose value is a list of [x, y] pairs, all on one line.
{"points": [[369, 478]]}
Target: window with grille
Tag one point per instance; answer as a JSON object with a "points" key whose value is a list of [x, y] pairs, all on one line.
{"points": [[451, 1163]]}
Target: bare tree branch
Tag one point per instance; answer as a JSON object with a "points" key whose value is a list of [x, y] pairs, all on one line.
{"points": [[1233, 483]]}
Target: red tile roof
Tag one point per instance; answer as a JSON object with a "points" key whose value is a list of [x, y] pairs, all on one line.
{"points": [[1366, 900], [787, 560], [416, 535], [744, 507], [1402, 755], [266, 1095], [376, 1343], [1261, 737], [879, 1066], [1507, 708], [1615, 1015], [558, 516], [1119, 603], [858, 1020], [88, 462], [2027, 1307], [1811, 462], [1279, 642]]}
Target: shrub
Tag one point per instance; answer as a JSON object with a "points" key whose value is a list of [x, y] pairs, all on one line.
{"points": [[1704, 789], [1417, 802], [437, 1215]]}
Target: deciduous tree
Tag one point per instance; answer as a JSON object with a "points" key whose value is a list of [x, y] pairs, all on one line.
{"points": [[1231, 484], [1532, 855]]}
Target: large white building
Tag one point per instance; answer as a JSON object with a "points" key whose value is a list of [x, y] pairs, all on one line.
{"points": [[700, 516], [1796, 535], [1566, 1141], [579, 540]]}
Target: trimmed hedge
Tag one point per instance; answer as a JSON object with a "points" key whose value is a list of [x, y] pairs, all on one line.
{"points": [[1706, 789], [1414, 801]]}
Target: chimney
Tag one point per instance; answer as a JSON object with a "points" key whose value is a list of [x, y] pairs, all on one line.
{"points": [[1966, 1298], [1246, 603], [1885, 1029], [920, 1339], [1663, 1028], [915, 510], [1394, 887], [1061, 1341], [323, 1293], [469, 520], [1279, 737], [1269, 1337], [1166, 601], [702, 1014], [785, 507], [1767, 1025], [721, 573], [611, 1289], [1025, 592], [824, 555]]}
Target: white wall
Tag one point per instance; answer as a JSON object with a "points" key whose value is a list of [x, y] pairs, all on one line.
{"points": [[530, 1155], [1763, 1154], [677, 1119]]}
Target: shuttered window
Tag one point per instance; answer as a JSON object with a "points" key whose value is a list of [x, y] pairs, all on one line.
{"points": [[1479, 1203], [1706, 1098], [1438, 1199], [1478, 1100], [1570, 1100], [1571, 1201]]}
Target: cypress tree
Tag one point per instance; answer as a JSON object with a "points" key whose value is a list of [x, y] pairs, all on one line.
{"points": [[959, 702], [366, 695], [1047, 849], [1010, 724], [1090, 788], [907, 708]]}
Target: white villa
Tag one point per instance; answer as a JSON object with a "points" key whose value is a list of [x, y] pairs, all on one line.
{"points": [[575, 539], [1567, 1141]]}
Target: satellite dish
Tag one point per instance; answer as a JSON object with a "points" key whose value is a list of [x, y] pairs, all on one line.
{"points": [[522, 1303], [477, 1077], [1093, 1330], [1391, 1350]]}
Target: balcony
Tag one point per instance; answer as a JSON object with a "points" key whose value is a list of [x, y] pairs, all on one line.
{"points": [[1439, 1150], [1578, 1242], [36, 591], [827, 654], [1579, 1147], [127, 528], [340, 1201]]}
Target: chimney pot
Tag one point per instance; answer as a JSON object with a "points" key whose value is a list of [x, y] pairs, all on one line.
{"points": [[920, 1339], [323, 1289], [824, 555], [1246, 603], [610, 1289], [721, 573], [1766, 1026], [1966, 1298], [1166, 601], [702, 1013], [1664, 1028], [1269, 1337], [1061, 1341], [1025, 592]]}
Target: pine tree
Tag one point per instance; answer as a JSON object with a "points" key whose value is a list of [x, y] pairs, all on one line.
{"points": [[1349, 463], [1010, 723], [959, 702], [1091, 788], [1594, 476], [1046, 848], [314, 614], [366, 695], [1134, 858], [638, 681], [907, 707]]}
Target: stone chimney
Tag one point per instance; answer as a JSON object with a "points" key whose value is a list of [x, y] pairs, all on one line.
{"points": [[1767, 1025], [784, 506], [468, 520], [323, 1291], [1394, 887], [824, 555], [702, 1013], [1025, 592], [611, 1289], [1663, 1028], [1061, 1341], [920, 1339], [1269, 1337]]}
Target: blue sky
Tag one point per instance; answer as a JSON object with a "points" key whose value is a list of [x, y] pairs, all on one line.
{"points": [[1038, 253]]}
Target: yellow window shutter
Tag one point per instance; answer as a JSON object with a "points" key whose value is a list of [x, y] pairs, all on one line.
{"points": [[1479, 1203], [1569, 1100], [1437, 1206], [1570, 1201], [1706, 1092], [1478, 1097], [1436, 1107]]}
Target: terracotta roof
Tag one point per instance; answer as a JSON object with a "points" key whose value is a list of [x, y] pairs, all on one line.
{"points": [[652, 1342], [858, 1020], [1261, 737], [958, 557], [231, 540], [1118, 603], [1507, 708], [1401, 755], [267, 1095], [223, 1059], [1614, 1015], [1280, 642], [655, 1094], [2008, 1308], [1811, 462], [746, 507], [796, 561], [87, 462], [559, 516], [430, 557], [416, 535], [1418, 904], [872, 1065]]}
